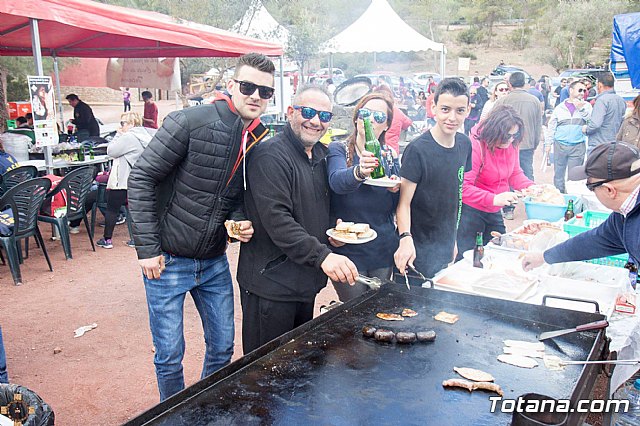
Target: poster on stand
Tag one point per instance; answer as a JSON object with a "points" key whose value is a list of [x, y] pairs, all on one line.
{"points": [[43, 109]]}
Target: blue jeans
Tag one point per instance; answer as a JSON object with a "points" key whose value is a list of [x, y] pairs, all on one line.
{"points": [[4, 377], [526, 162], [210, 285]]}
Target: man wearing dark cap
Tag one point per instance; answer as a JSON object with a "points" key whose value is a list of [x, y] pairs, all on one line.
{"points": [[612, 171]]}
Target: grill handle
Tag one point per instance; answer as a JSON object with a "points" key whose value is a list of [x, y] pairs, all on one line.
{"points": [[570, 299]]}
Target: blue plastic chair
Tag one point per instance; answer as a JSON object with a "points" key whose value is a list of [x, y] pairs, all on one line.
{"points": [[25, 200]]}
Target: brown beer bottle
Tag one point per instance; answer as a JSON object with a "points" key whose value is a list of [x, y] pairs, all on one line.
{"points": [[569, 214], [478, 251]]}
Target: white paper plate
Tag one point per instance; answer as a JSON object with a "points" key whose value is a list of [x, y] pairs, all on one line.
{"points": [[358, 241], [383, 182]]}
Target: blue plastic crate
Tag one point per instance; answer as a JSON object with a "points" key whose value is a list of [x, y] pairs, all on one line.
{"points": [[545, 211], [589, 220]]}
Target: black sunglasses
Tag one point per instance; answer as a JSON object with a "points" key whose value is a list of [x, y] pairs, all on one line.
{"points": [[582, 90], [379, 116], [248, 88], [123, 123], [593, 185], [308, 113], [515, 135]]}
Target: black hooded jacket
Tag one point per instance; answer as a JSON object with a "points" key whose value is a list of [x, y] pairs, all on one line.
{"points": [[288, 202]]}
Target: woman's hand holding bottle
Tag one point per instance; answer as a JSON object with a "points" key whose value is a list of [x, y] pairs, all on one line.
{"points": [[368, 163]]}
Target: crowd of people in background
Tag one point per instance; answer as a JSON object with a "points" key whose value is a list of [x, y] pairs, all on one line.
{"points": [[190, 190]]}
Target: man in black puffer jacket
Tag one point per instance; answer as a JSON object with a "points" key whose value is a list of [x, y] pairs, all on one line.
{"points": [[185, 185]]}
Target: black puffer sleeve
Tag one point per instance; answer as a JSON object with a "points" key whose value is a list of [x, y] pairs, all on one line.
{"points": [[164, 154]]}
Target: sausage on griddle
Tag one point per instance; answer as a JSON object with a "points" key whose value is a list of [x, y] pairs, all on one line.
{"points": [[426, 336], [405, 337], [382, 335], [368, 331]]}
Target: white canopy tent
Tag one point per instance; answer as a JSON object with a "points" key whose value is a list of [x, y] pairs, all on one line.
{"points": [[380, 29], [258, 23]]}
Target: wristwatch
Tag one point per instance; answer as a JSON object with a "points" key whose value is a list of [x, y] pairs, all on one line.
{"points": [[405, 234]]}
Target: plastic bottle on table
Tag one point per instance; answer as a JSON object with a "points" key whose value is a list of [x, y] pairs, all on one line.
{"points": [[630, 392]]}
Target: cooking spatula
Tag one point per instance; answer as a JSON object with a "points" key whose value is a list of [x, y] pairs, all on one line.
{"points": [[584, 327]]}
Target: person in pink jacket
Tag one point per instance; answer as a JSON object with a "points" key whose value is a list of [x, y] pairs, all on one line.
{"points": [[495, 169], [400, 122]]}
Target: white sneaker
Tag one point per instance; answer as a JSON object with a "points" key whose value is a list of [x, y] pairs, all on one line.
{"points": [[74, 229]]}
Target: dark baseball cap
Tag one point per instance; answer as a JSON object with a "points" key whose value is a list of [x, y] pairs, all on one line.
{"points": [[610, 161]]}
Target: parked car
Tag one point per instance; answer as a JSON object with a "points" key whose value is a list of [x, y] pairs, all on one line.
{"points": [[423, 77], [502, 70], [320, 76]]}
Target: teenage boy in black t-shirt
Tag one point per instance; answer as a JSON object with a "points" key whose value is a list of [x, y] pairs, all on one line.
{"points": [[432, 171]]}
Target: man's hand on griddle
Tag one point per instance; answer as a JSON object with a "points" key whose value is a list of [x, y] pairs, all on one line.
{"points": [[340, 268], [532, 260], [405, 255]]}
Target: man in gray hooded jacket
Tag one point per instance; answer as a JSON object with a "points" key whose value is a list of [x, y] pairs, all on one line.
{"points": [[607, 115]]}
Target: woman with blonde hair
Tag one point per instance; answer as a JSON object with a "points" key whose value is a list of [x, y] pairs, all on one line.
{"points": [[125, 149], [349, 165], [501, 89]]}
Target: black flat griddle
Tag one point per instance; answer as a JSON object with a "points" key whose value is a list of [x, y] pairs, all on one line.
{"points": [[326, 372]]}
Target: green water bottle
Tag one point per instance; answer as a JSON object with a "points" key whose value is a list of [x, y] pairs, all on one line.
{"points": [[372, 145]]}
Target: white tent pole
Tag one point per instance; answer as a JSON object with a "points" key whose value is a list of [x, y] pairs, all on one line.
{"points": [[281, 87], [331, 66], [35, 45], [56, 72], [443, 61], [37, 57]]}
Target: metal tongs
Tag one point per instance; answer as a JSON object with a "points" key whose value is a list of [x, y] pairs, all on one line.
{"points": [[373, 283], [415, 271]]}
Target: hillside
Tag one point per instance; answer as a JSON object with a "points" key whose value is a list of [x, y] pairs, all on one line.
{"points": [[531, 58]]}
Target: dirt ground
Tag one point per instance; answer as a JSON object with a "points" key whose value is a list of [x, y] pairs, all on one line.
{"points": [[106, 376]]}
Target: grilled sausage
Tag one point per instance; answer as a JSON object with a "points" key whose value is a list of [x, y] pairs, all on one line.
{"points": [[405, 337], [382, 335], [368, 331], [426, 336]]}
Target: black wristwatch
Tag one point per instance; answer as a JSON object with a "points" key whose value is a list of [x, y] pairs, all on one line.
{"points": [[404, 234]]}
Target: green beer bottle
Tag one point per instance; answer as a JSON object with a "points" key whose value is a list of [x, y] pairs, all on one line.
{"points": [[81, 153], [478, 251], [91, 156], [372, 145], [569, 213]]}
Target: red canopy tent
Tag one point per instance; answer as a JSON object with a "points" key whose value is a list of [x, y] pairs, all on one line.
{"points": [[82, 28]]}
